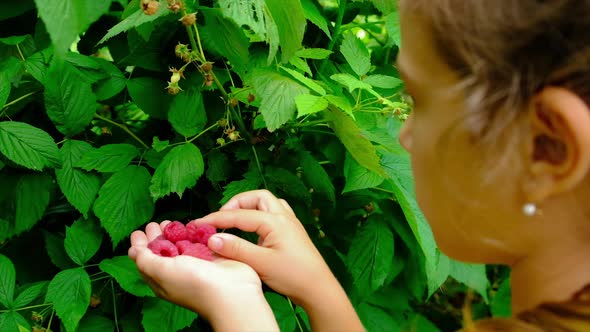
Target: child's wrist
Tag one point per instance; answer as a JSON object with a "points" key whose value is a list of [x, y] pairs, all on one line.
{"points": [[247, 311]]}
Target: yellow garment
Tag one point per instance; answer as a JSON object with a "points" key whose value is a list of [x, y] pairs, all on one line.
{"points": [[570, 316]]}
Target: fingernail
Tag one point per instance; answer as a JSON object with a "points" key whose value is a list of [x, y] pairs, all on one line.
{"points": [[215, 243]]}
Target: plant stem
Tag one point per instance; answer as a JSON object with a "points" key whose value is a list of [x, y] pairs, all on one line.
{"points": [[50, 320], [114, 306], [122, 126], [259, 166], [29, 307], [337, 30], [296, 319], [204, 131], [22, 57], [309, 124], [19, 99]]}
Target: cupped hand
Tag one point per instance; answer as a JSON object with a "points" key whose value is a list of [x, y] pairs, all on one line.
{"points": [[214, 289], [285, 257]]}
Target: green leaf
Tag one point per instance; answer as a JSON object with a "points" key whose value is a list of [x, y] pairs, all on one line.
{"points": [[308, 82], [69, 100], [393, 29], [83, 240], [108, 158], [160, 315], [251, 181], [135, 20], [370, 257], [56, 251], [124, 202], [180, 169], [7, 282], [288, 183], [12, 320], [383, 81], [32, 198], [471, 275], [314, 53], [70, 291], [158, 145], [313, 14], [187, 113], [385, 6], [96, 323], [309, 104], [66, 19], [301, 64], [150, 95], [13, 40], [218, 166], [283, 311], [377, 319], [224, 37], [28, 146], [350, 135], [350, 82], [114, 83], [79, 187], [420, 323], [5, 87], [250, 14], [341, 102], [303, 316], [289, 18], [277, 108], [358, 177], [30, 293], [38, 63], [316, 176], [501, 304], [356, 54], [124, 270]]}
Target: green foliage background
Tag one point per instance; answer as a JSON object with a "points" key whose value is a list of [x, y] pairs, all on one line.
{"points": [[301, 98]]}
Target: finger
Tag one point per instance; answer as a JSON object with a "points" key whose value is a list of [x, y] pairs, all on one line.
{"points": [[138, 239], [287, 206], [152, 231], [262, 200], [233, 247], [164, 223], [262, 223]]}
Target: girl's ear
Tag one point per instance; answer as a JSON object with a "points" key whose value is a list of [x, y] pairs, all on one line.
{"points": [[558, 144]]}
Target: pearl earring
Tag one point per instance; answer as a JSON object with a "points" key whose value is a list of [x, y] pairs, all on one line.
{"points": [[529, 209]]}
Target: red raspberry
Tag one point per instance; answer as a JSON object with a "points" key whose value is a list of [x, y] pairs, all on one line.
{"points": [[183, 245], [163, 248], [200, 233], [175, 231], [198, 250]]}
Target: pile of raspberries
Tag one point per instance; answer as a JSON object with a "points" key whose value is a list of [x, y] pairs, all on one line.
{"points": [[178, 239]]}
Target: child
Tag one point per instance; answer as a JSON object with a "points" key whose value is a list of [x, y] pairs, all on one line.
{"points": [[500, 145]]}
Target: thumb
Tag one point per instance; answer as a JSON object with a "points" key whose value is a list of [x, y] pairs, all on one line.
{"points": [[233, 247]]}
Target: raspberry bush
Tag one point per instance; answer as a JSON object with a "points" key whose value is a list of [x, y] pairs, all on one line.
{"points": [[115, 113]]}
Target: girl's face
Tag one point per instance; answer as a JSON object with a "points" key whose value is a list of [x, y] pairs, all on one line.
{"points": [[472, 220]]}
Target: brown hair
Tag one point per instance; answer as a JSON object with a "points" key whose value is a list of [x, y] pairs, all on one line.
{"points": [[506, 51]]}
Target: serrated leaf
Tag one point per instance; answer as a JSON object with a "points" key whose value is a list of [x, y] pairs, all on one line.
{"points": [[160, 315], [32, 198], [7, 282], [150, 95], [309, 104], [96, 323], [180, 169], [30, 293], [13, 40], [37, 64], [393, 29], [383, 81], [187, 113], [471, 275], [314, 53], [356, 54], [66, 19], [135, 20], [300, 64], [70, 292], [79, 187], [12, 320], [419, 323], [218, 166], [56, 251], [124, 202], [341, 102], [248, 13], [28, 146], [370, 257], [124, 270], [83, 240], [501, 303], [376, 319], [287, 182], [350, 82], [313, 14], [224, 37], [350, 135], [277, 108], [251, 181], [283, 311], [289, 17], [316, 176], [69, 101], [108, 158], [358, 177], [308, 82], [158, 145], [5, 87], [114, 83]]}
